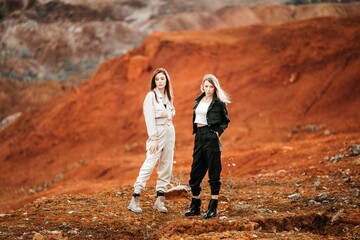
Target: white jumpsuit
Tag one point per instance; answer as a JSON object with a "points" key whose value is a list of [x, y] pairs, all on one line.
{"points": [[158, 118]]}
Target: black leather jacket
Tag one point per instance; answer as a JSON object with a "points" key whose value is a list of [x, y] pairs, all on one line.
{"points": [[217, 115]]}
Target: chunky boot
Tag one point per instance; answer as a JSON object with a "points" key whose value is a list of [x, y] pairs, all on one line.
{"points": [[135, 204], [211, 212], [160, 204], [194, 208]]}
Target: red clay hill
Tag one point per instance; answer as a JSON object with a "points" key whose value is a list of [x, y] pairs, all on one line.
{"points": [[284, 81]]}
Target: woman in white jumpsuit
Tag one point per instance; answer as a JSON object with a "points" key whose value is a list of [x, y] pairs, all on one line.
{"points": [[158, 111]]}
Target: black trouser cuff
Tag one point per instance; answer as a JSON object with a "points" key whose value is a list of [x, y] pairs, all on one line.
{"points": [[160, 194]]}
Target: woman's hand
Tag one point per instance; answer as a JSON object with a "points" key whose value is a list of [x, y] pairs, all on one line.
{"points": [[153, 146]]}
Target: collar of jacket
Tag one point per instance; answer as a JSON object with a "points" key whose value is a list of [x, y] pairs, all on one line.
{"points": [[160, 96], [198, 99]]}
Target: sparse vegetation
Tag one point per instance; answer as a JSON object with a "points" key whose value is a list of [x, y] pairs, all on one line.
{"points": [[230, 182], [177, 176]]}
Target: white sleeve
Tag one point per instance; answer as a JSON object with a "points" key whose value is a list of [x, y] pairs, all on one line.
{"points": [[149, 114], [172, 110]]}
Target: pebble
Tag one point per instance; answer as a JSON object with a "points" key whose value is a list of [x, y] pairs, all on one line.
{"points": [[313, 202], [38, 236], [316, 184], [321, 197], [294, 196], [265, 210]]}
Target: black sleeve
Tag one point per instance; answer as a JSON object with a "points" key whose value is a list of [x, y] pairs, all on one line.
{"points": [[224, 118]]}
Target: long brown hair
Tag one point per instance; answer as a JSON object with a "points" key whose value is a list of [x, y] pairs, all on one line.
{"points": [[168, 88]]}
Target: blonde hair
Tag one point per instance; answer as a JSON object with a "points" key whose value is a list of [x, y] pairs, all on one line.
{"points": [[220, 93]]}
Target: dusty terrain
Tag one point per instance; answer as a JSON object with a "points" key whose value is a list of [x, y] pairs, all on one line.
{"points": [[291, 153], [298, 203]]}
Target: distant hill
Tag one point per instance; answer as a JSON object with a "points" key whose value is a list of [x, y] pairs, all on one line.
{"points": [[67, 40]]}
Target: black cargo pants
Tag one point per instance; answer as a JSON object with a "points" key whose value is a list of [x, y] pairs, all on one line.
{"points": [[206, 157]]}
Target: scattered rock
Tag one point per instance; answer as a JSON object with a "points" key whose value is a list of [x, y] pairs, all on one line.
{"points": [[354, 150], [313, 202], [223, 218], [264, 210], [321, 197], [8, 120], [278, 172], [337, 157], [317, 184], [38, 236], [295, 196]]}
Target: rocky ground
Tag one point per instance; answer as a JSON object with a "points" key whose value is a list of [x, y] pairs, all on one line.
{"points": [[320, 202]]}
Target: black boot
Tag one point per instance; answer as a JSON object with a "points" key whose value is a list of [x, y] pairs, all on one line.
{"points": [[211, 212], [194, 208]]}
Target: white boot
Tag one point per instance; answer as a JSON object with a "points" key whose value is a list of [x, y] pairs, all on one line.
{"points": [[135, 205], [160, 204]]}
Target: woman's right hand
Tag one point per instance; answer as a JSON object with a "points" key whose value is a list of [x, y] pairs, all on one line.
{"points": [[153, 146]]}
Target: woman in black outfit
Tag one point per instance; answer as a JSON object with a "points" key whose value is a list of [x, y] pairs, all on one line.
{"points": [[210, 119]]}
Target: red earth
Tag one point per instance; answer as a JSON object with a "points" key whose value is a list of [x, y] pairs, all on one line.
{"points": [[294, 130]]}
